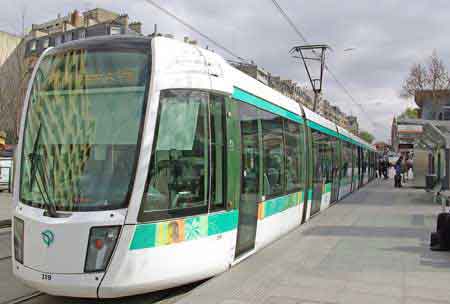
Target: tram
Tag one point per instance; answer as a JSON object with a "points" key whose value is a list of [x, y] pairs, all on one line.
{"points": [[148, 163]]}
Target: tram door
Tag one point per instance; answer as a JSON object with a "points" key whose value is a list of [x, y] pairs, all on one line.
{"points": [[318, 180], [250, 158], [360, 166], [336, 165]]}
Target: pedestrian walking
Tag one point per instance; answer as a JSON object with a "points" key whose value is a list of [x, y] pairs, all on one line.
{"points": [[398, 173], [385, 168], [380, 168], [404, 168], [409, 164]]}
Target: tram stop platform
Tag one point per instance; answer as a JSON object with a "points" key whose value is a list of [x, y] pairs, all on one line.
{"points": [[372, 247]]}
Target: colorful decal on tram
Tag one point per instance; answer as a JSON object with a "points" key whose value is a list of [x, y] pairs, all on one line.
{"points": [[187, 229]]}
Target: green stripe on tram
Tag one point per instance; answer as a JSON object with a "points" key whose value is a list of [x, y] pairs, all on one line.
{"points": [[265, 105], [185, 229], [318, 127], [268, 106]]}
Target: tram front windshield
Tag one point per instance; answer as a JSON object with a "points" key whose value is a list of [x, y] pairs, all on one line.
{"points": [[82, 128]]}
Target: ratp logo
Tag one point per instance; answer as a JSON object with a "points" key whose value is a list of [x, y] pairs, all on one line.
{"points": [[48, 237]]}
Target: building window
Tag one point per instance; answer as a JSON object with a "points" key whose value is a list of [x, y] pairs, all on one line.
{"points": [[67, 36], [447, 115], [33, 46], [45, 43], [115, 30], [82, 34], [58, 39]]}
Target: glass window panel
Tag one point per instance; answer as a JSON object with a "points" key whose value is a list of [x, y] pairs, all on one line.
{"points": [[323, 157], [115, 30], [293, 155], [81, 144], [178, 176], [303, 168], [273, 153], [250, 152], [346, 167], [218, 152]]}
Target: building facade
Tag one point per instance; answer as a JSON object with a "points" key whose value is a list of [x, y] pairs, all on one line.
{"points": [[304, 97], [254, 71], [18, 55], [77, 25], [353, 125], [12, 84], [382, 147], [8, 43], [434, 105], [427, 137]]}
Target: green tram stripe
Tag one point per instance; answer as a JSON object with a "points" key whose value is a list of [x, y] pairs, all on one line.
{"points": [[280, 204], [265, 105], [185, 229], [268, 106], [318, 127]]}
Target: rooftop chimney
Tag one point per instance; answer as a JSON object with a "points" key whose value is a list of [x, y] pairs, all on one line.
{"points": [[76, 18]]}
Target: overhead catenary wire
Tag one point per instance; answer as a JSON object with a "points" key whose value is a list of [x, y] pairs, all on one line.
{"points": [[195, 30], [332, 74]]}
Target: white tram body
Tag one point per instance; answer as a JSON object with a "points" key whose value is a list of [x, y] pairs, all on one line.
{"points": [[51, 252]]}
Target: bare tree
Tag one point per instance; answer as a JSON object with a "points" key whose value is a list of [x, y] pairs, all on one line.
{"points": [[431, 76]]}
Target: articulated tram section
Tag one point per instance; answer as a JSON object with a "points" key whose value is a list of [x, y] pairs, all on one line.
{"points": [[153, 169]]}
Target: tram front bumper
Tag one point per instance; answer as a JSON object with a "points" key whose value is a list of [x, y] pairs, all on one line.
{"points": [[69, 285]]}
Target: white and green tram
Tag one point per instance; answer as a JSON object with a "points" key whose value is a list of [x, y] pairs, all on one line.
{"points": [[145, 164]]}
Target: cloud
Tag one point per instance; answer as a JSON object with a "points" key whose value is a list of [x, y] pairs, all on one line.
{"points": [[387, 37]]}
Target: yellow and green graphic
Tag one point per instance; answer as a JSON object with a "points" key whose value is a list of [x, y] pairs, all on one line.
{"points": [[279, 204], [187, 229]]}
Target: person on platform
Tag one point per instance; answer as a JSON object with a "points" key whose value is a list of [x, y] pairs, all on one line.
{"points": [[398, 173], [379, 168], [385, 168], [405, 169]]}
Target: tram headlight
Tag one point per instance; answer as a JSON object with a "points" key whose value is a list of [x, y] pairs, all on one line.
{"points": [[18, 239], [102, 241]]}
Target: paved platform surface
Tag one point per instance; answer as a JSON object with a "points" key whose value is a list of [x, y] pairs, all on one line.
{"points": [[371, 247], [5, 206]]}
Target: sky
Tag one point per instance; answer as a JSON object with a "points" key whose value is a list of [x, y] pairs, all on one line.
{"points": [[386, 37]]}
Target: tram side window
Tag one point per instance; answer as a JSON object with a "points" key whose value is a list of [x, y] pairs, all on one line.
{"points": [[250, 151], [177, 182], [293, 155], [367, 164], [333, 146], [273, 154], [322, 155], [218, 152], [346, 168], [327, 158], [302, 155]]}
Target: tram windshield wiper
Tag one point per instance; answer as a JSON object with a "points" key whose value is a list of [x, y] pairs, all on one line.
{"points": [[38, 168]]}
